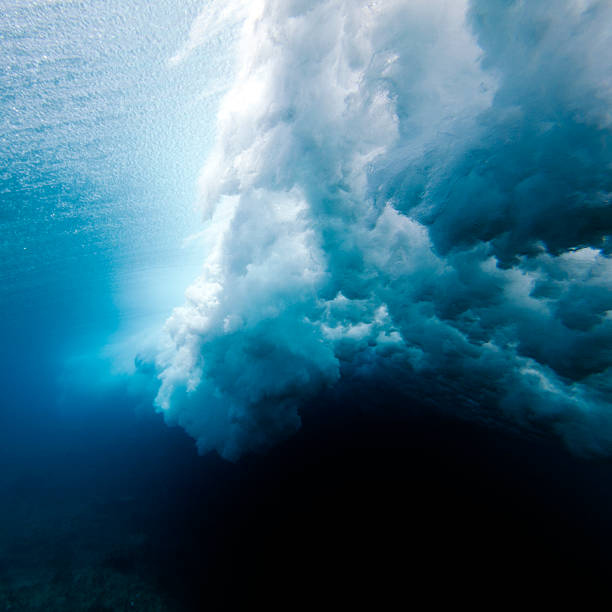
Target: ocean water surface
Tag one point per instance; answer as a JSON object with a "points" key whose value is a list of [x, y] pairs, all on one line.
{"points": [[304, 302]]}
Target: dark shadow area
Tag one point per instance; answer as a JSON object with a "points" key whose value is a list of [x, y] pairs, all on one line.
{"points": [[120, 513], [379, 511]]}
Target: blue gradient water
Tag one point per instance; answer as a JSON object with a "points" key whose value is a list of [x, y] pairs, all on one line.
{"points": [[359, 281], [101, 142]]}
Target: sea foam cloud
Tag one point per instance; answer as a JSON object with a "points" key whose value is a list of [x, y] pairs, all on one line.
{"points": [[410, 193]]}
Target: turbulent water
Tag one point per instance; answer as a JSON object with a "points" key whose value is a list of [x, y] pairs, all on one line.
{"points": [[365, 238], [407, 195]]}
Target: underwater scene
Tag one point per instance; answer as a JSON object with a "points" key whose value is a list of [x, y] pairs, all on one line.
{"points": [[305, 303]]}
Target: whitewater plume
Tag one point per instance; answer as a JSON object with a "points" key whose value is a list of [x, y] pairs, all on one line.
{"points": [[414, 193]]}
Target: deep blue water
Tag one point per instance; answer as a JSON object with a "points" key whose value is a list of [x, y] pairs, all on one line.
{"points": [[400, 390]]}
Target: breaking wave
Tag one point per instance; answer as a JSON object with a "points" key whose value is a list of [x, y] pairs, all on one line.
{"points": [[415, 194]]}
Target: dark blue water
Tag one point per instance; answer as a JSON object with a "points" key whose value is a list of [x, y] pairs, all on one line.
{"points": [[386, 493]]}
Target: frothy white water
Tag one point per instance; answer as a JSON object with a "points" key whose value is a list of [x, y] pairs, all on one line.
{"points": [[412, 194]]}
